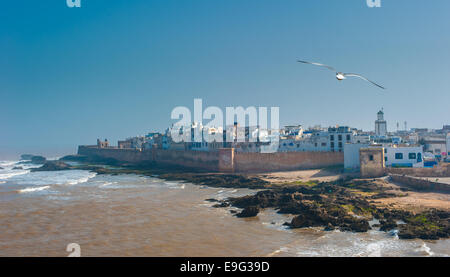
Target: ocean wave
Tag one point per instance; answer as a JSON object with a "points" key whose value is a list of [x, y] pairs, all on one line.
{"points": [[67, 177], [33, 189], [424, 249], [10, 174], [7, 163], [81, 180]]}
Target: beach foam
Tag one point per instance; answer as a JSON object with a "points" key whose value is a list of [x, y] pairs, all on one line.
{"points": [[33, 189]]}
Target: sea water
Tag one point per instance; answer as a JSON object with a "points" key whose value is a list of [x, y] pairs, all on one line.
{"points": [[130, 215]]}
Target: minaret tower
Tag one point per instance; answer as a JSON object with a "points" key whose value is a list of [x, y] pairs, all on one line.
{"points": [[380, 124]]}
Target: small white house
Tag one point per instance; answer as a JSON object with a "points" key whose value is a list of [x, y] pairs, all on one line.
{"points": [[404, 156]]}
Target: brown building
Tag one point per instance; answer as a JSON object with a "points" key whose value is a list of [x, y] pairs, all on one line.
{"points": [[102, 144], [372, 162]]}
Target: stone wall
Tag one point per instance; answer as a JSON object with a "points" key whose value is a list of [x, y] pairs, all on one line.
{"points": [[442, 170], [421, 184], [188, 159], [223, 160], [286, 161]]}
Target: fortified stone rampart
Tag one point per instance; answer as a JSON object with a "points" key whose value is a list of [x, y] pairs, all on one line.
{"points": [[223, 160], [286, 161]]}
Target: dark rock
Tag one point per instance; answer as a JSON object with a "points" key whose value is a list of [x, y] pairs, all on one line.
{"points": [[329, 228], [430, 225], [38, 160], [233, 212], [387, 225], [17, 168], [1, 168], [74, 158], [211, 200], [222, 205], [249, 212], [26, 157], [53, 166], [360, 225]]}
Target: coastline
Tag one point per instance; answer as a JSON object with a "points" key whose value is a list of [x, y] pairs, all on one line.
{"points": [[340, 203]]}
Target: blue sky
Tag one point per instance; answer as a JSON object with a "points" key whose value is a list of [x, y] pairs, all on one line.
{"points": [[117, 68]]}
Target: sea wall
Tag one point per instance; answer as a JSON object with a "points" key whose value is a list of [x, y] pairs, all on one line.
{"points": [[420, 184], [188, 159], [122, 155], [223, 160], [286, 161]]}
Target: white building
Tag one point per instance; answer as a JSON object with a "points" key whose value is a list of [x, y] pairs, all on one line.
{"points": [[338, 137], [380, 125], [403, 156], [351, 155], [361, 138]]}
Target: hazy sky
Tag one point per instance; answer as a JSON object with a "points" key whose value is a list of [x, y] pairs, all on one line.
{"points": [[117, 68]]}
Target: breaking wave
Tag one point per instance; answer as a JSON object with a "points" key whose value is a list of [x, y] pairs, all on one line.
{"points": [[33, 189]]}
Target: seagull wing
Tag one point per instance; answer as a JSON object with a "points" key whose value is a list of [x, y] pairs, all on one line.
{"points": [[318, 64], [362, 77]]}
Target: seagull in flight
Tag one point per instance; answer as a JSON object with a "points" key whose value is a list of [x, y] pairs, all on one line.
{"points": [[342, 76]]}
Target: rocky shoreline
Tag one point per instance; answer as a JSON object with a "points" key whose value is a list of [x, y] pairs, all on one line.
{"points": [[346, 205]]}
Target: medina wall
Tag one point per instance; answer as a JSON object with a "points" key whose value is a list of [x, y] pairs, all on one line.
{"points": [[223, 160], [285, 161], [187, 159]]}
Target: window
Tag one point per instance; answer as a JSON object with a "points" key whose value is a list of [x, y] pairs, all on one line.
{"points": [[370, 157], [324, 144], [385, 150], [385, 159], [332, 137], [339, 137], [332, 145], [399, 156], [348, 137], [412, 156], [315, 144], [340, 144], [419, 157]]}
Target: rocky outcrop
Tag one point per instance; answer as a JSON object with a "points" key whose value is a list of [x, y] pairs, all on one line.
{"points": [[343, 205], [26, 157], [17, 168], [75, 158], [53, 166], [38, 160], [388, 225], [32, 159], [250, 211], [431, 225]]}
